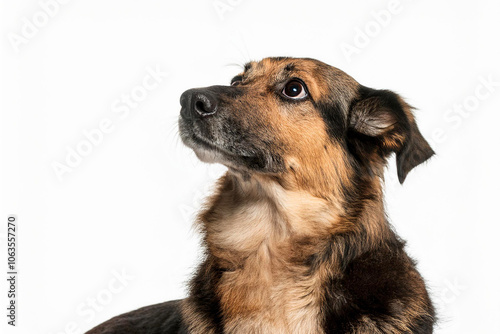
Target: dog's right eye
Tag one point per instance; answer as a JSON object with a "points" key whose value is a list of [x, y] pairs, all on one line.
{"points": [[294, 89]]}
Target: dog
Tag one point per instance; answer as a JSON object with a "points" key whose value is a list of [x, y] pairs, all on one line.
{"points": [[296, 235]]}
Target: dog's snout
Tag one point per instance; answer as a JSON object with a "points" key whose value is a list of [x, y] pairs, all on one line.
{"points": [[198, 103]]}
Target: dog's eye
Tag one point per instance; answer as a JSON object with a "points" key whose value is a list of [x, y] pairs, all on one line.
{"points": [[294, 89]]}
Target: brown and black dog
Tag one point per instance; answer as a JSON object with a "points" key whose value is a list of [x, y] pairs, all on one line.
{"points": [[296, 236]]}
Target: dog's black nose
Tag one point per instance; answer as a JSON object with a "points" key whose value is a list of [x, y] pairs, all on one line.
{"points": [[198, 102]]}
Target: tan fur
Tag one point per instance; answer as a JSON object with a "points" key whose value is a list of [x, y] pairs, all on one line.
{"points": [[266, 291]]}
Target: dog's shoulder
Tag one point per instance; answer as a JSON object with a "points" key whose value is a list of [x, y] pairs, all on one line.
{"points": [[382, 289], [163, 318]]}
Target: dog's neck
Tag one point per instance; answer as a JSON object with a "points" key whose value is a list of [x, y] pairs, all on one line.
{"points": [[247, 214], [265, 244]]}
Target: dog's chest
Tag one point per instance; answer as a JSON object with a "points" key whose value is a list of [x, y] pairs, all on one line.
{"points": [[269, 297]]}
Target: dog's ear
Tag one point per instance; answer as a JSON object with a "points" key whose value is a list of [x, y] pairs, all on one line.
{"points": [[385, 124]]}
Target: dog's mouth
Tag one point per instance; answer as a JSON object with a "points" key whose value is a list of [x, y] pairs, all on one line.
{"points": [[206, 144], [208, 150]]}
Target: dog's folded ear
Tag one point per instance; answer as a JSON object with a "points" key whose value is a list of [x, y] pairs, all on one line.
{"points": [[384, 123]]}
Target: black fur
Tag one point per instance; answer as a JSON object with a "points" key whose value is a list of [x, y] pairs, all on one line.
{"points": [[164, 318], [203, 295], [371, 284], [412, 150], [334, 117]]}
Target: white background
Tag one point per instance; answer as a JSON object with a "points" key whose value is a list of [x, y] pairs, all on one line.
{"points": [[129, 204]]}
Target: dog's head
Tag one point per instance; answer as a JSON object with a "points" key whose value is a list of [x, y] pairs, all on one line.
{"points": [[300, 119]]}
